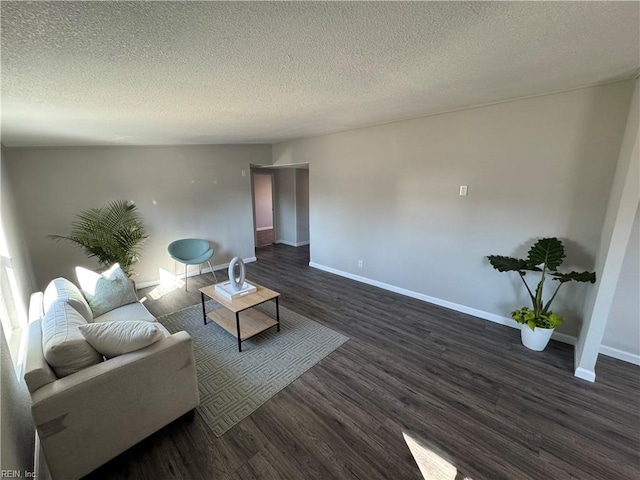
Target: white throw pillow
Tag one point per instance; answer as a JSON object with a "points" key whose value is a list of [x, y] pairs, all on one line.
{"points": [[107, 290], [116, 338], [63, 289], [64, 347]]}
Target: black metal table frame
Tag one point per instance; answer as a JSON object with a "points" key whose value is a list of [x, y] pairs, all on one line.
{"points": [[240, 339]]}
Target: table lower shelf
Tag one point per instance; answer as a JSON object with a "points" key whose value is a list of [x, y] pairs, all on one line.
{"points": [[252, 321]]}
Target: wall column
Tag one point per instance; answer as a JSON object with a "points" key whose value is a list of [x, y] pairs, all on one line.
{"points": [[616, 231]]}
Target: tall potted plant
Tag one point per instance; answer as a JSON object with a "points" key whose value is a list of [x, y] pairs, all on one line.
{"points": [[545, 256], [113, 233]]}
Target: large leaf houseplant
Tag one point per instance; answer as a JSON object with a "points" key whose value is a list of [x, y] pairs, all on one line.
{"points": [[112, 234], [545, 256]]}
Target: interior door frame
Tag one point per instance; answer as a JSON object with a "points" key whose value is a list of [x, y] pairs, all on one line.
{"points": [[272, 174]]}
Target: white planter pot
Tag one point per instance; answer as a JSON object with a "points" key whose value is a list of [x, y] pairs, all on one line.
{"points": [[535, 339]]}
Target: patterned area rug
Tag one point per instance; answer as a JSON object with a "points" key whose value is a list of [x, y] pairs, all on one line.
{"points": [[234, 384]]}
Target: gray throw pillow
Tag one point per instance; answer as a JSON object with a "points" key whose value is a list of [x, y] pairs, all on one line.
{"points": [[107, 290]]}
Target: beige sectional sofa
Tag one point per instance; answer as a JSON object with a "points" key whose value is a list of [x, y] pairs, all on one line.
{"points": [[89, 409]]}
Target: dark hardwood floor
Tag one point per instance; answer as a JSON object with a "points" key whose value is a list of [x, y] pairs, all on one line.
{"points": [[265, 237], [464, 386]]}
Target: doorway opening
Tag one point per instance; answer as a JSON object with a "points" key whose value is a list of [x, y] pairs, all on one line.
{"points": [[263, 200], [281, 204]]}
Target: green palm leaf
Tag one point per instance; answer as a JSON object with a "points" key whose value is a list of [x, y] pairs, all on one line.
{"points": [[112, 234]]}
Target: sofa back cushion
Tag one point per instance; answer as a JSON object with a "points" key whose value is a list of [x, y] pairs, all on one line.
{"points": [[107, 290], [64, 347], [62, 289]]}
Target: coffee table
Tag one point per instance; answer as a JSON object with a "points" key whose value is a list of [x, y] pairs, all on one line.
{"points": [[228, 316]]}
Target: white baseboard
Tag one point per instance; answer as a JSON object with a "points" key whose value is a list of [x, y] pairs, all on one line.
{"points": [[292, 244], [193, 273], [492, 317], [620, 354], [262, 229], [585, 374], [564, 338]]}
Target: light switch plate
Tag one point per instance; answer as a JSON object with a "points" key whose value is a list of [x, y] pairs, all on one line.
{"points": [[463, 190]]}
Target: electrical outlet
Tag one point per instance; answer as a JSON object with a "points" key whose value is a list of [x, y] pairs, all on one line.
{"points": [[359, 263]]}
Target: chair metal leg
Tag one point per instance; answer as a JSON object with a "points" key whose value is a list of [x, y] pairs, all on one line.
{"points": [[185, 277], [214, 273]]}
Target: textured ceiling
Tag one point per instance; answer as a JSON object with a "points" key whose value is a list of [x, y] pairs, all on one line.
{"points": [[154, 73]]}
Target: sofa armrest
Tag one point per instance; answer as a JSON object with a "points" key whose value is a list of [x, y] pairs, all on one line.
{"points": [[37, 372], [89, 417]]}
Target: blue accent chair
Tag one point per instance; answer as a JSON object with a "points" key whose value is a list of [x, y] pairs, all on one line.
{"points": [[191, 251]]}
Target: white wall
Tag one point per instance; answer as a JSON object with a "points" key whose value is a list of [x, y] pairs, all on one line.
{"points": [[191, 191], [623, 327], [292, 206], [14, 250], [535, 167], [302, 205], [16, 425], [286, 231], [263, 200]]}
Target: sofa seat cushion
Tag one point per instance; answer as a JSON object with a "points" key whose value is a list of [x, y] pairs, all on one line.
{"points": [[107, 290], [64, 347], [62, 289], [132, 311], [117, 338]]}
